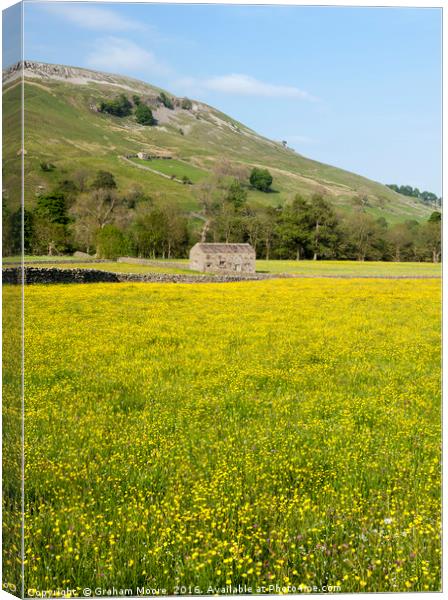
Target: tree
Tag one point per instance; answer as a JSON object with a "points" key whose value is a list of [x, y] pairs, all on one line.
{"points": [[431, 236], [176, 237], [324, 232], [100, 206], [362, 234], [430, 198], [400, 238], [227, 224], [110, 242], [52, 207], [425, 196], [261, 179], [80, 177], [50, 222], [186, 104], [50, 238], [253, 227], [12, 231], [104, 181], [236, 195], [143, 115], [436, 217], [294, 229], [149, 232], [95, 210], [268, 220], [119, 106], [69, 189]]}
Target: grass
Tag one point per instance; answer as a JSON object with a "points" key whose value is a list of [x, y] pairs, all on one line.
{"points": [[282, 432], [303, 267], [120, 267], [175, 168], [349, 268], [41, 259], [62, 129]]}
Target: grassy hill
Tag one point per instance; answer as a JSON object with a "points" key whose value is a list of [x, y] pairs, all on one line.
{"points": [[62, 126]]}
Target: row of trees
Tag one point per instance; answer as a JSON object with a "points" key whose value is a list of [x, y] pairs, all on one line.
{"points": [[89, 214], [92, 216], [426, 197], [313, 229]]}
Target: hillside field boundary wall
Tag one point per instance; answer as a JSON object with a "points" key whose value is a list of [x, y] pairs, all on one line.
{"points": [[50, 275]]}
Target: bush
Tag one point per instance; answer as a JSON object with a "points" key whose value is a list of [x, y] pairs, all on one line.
{"points": [[143, 115], [104, 181], [261, 179], [166, 100], [119, 107], [46, 166]]}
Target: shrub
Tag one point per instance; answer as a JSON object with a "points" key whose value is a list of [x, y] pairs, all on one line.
{"points": [[261, 179], [119, 107], [104, 181], [46, 166], [166, 100], [143, 115]]}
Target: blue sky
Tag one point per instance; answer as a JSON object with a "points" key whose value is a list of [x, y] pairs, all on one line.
{"points": [[359, 88]]}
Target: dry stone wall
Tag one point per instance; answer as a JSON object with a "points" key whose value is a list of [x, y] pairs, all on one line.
{"points": [[13, 275]]}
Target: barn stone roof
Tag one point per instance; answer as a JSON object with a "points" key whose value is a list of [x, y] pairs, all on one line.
{"points": [[225, 248]]}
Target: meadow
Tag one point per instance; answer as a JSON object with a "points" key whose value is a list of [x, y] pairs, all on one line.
{"points": [[350, 268], [119, 267], [345, 268], [174, 168], [283, 432]]}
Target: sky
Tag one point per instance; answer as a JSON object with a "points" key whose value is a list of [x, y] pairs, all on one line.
{"points": [[358, 88]]}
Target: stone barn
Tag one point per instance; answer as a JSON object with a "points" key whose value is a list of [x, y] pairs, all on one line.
{"points": [[222, 258]]}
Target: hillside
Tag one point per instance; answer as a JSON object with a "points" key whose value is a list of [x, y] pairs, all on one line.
{"points": [[64, 127]]}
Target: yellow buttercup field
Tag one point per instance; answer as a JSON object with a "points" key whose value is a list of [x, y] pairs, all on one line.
{"points": [[277, 433]]}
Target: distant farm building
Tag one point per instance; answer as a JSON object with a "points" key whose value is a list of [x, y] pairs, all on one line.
{"points": [[222, 258], [153, 154]]}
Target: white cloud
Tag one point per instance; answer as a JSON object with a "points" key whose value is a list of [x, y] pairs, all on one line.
{"points": [[123, 56], [93, 17], [240, 85], [245, 85]]}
